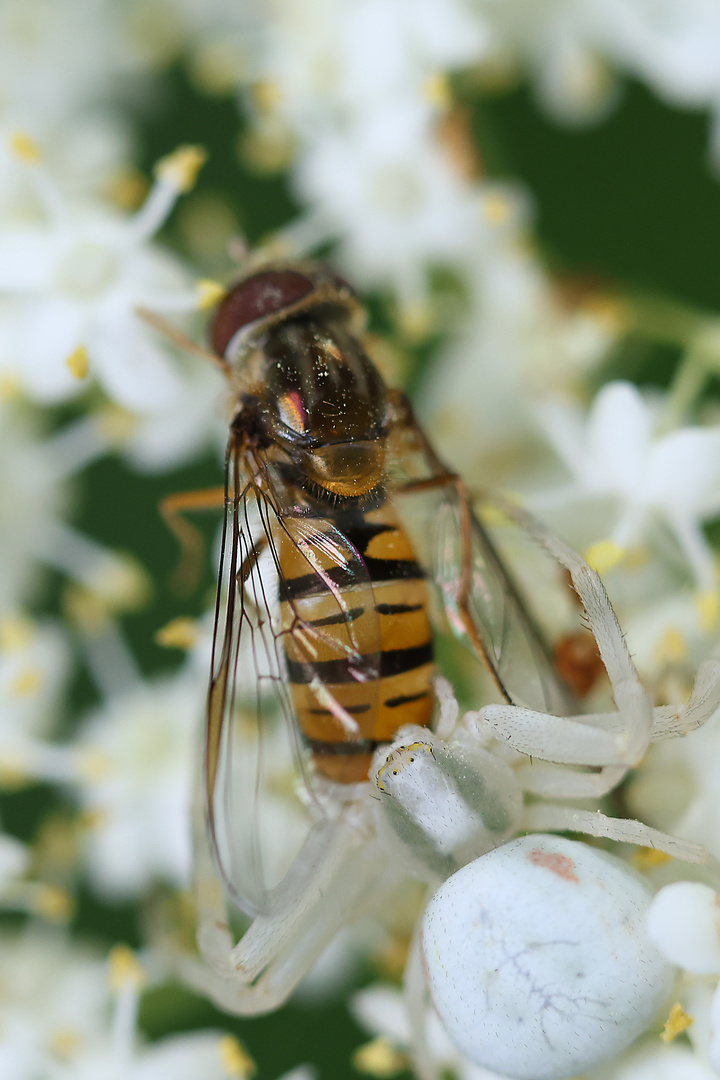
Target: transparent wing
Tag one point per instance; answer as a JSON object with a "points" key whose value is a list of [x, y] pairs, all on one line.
{"points": [[486, 606], [483, 603], [289, 585]]}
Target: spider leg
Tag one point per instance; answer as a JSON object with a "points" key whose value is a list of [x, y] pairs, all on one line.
{"points": [[334, 877], [553, 818]]}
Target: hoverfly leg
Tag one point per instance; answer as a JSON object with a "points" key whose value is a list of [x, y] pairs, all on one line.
{"points": [[462, 599], [192, 545]]}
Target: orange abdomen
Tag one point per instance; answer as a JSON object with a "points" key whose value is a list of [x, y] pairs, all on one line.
{"points": [[393, 632]]}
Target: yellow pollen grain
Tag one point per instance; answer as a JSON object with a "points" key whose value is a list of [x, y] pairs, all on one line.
{"points": [[604, 555], [235, 1059], [126, 971], [78, 363], [127, 189], [707, 605], [92, 819], [54, 904], [94, 765], [123, 584], [24, 147], [266, 95], [182, 166], [380, 1058], [65, 1042], [27, 683], [84, 608], [180, 633], [10, 387], [15, 633], [671, 648], [415, 321], [677, 1022], [13, 771], [437, 91], [646, 858], [116, 424], [497, 209], [209, 293]]}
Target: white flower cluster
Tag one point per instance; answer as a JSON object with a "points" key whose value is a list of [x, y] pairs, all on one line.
{"points": [[355, 99]]}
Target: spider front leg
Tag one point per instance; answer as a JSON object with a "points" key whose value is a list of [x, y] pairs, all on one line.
{"points": [[616, 739], [335, 876]]}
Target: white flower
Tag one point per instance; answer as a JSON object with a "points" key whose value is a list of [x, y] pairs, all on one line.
{"points": [[678, 787], [34, 667], [137, 755], [516, 341], [669, 479], [65, 1016], [562, 44], [388, 191], [336, 63], [35, 495], [683, 922], [72, 286]]}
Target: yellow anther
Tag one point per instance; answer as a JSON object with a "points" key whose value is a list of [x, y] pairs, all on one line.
{"points": [[180, 633], [126, 971], [182, 166], [218, 67], [53, 903], [94, 765], [437, 91], [267, 95], [380, 1058], [92, 819], [78, 363], [497, 208], [646, 858], [24, 147], [115, 424], [26, 683], [209, 293], [235, 1059], [671, 648], [10, 387], [13, 771], [127, 188], [65, 1042], [122, 584], [707, 605], [415, 321], [604, 555], [84, 608], [15, 633], [677, 1022]]}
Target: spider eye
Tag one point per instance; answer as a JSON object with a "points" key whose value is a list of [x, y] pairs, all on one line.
{"points": [[262, 294]]}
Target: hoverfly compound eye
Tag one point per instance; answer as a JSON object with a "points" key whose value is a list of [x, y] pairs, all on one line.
{"points": [[263, 294]]}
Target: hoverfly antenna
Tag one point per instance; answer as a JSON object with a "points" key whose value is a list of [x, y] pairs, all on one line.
{"points": [[178, 338]]}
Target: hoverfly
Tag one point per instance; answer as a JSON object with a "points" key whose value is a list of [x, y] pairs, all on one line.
{"points": [[324, 594]]}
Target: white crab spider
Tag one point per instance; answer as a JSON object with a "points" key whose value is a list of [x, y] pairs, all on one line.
{"points": [[442, 800]]}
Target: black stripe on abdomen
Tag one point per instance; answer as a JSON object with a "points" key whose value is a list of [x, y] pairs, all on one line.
{"points": [[344, 749], [378, 570], [392, 662]]}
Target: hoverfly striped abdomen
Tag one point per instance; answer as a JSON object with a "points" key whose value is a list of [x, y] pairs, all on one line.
{"points": [[393, 686]]}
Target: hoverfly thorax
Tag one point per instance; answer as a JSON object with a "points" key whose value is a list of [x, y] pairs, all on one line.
{"points": [[291, 336]]}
